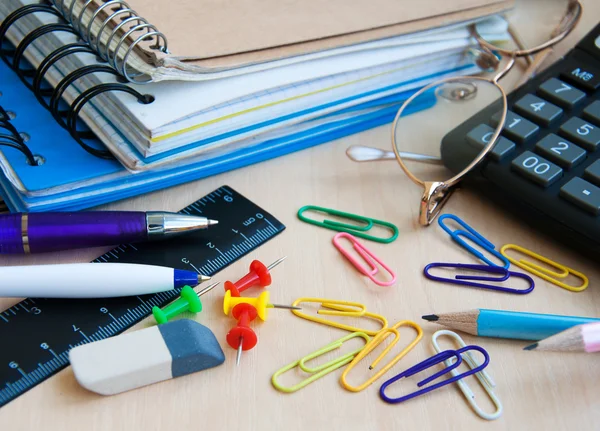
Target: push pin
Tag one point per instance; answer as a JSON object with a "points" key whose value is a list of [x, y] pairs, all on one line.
{"points": [[189, 300], [261, 304], [242, 337], [258, 275]]}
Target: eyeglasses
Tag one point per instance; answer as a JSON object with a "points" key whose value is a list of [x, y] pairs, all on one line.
{"points": [[426, 117]]}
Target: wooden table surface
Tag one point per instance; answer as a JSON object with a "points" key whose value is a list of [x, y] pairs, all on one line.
{"points": [[538, 390]]}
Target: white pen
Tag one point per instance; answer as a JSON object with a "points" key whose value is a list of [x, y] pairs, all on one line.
{"points": [[92, 280]]}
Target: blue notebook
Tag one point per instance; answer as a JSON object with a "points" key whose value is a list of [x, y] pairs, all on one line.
{"points": [[71, 179]]}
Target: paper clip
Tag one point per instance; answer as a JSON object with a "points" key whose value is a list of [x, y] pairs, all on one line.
{"points": [[466, 280], [484, 378], [472, 235], [542, 272], [320, 371], [356, 230], [340, 308], [371, 345], [368, 257], [430, 362]]}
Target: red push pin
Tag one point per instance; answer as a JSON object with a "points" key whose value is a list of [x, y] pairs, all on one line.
{"points": [[257, 276], [242, 337]]}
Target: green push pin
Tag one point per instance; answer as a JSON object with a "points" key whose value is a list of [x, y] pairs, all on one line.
{"points": [[189, 300]]}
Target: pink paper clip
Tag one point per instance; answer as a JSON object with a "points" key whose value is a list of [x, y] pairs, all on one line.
{"points": [[368, 257]]}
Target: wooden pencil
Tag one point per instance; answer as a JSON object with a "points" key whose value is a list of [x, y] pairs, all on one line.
{"points": [[580, 338], [508, 324]]}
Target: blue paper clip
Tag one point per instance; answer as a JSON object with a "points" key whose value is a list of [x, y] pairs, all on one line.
{"points": [[430, 362], [466, 280], [474, 236]]}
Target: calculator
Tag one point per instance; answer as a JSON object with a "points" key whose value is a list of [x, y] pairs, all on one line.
{"points": [[545, 165]]}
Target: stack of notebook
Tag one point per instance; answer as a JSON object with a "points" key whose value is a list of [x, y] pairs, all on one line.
{"points": [[157, 94]]}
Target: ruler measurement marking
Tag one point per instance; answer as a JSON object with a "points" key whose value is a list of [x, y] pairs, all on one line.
{"points": [[4, 318], [23, 307]]}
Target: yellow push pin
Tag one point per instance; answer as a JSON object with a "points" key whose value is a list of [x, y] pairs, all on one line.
{"points": [[261, 304]]}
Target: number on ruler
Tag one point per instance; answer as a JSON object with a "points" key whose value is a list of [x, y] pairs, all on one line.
{"points": [[13, 365], [210, 245], [75, 328], [35, 310], [44, 346], [228, 198], [104, 310]]}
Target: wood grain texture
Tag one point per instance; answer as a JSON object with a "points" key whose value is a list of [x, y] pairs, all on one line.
{"points": [[550, 391]]}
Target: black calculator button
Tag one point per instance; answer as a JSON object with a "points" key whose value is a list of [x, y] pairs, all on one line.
{"points": [[592, 172], [582, 76], [582, 133], [583, 194], [560, 151], [480, 136], [538, 110], [536, 168], [592, 112], [560, 93], [516, 128]]}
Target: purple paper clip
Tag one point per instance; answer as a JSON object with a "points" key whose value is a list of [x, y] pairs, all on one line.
{"points": [[466, 280], [430, 362]]}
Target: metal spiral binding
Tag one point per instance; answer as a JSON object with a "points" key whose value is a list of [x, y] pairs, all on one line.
{"points": [[123, 37], [51, 98], [15, 139]]}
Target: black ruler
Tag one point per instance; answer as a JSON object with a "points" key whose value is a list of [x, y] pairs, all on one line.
{"points": [[37, 334]]}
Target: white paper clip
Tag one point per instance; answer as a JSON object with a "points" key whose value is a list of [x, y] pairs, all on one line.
{"points": [[484, 378]]}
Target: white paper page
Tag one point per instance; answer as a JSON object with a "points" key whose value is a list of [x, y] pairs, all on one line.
{"points": [[175, 100]]}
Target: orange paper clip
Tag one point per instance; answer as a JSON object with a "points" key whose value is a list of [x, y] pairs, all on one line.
{"points": [[371, 345], [333, 307], [548, 275], [368, 257]]}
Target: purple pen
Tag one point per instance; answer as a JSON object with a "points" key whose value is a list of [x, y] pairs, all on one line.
{"points": [[44, 232]]}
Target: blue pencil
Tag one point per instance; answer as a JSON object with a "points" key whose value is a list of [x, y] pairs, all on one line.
{"points": [[508, 324]]}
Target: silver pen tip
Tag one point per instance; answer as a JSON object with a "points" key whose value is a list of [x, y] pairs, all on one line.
{"points": [[203, 278], [211, 222]]}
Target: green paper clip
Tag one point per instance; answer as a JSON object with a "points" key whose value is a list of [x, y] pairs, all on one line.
{"points": [[356, 230]]}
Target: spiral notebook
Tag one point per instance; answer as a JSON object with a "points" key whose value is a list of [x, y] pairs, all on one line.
{"points": [[278, 118]]}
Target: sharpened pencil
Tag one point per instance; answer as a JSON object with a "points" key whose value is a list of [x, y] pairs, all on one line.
{"points": [[508, 324], [580, 338]]}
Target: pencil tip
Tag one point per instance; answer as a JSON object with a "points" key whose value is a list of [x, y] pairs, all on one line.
{"points": [[430, 317], [531, 346]]}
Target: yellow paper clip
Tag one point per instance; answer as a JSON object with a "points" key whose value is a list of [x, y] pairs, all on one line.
{"points": [[484, 378], [371, 345], [542, 272], [321, 370], [340, 308]]}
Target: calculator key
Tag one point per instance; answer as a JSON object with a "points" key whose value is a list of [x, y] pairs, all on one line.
{"points": [[592, 112], [536, 168], [581, 132], [560, 151], [516, 128], [538, 110], [480, 136], [592, 172], [587, 78], [582, 194], [560, 93]]}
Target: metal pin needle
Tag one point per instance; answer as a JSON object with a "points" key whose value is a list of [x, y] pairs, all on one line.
{"points": [[286, 307], [238, 356], [277, 262], [208, 288]]}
